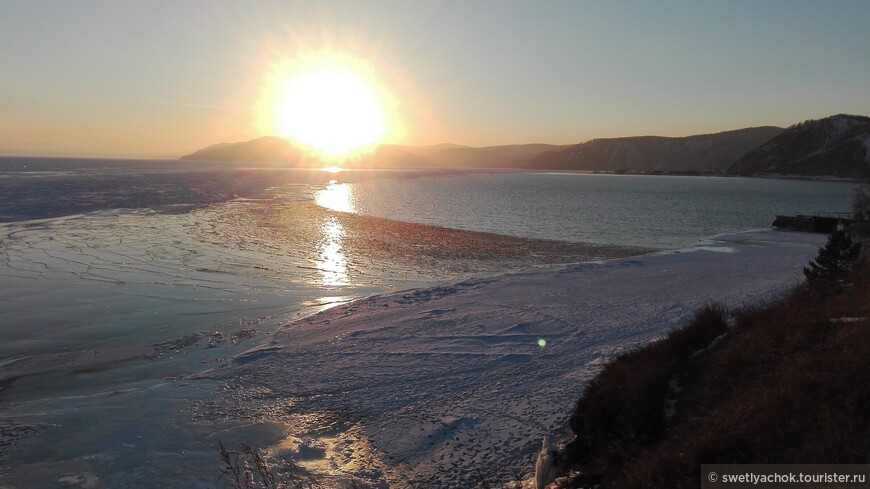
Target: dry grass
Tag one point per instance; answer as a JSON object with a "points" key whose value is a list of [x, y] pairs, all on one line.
{"points": [[787, 384], [622, 410]]}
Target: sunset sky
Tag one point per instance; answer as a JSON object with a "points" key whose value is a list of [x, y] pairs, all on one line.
{"points": [[165, 78]]}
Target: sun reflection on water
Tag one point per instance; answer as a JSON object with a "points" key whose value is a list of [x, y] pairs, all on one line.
{"points": [[336, 196], [332, 262]]}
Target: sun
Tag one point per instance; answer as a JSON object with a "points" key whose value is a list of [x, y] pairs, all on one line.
{"points": [[328, 104], [331, 110]]}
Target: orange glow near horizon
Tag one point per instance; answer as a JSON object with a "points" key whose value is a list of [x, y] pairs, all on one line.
{"points": [[329, 104]]}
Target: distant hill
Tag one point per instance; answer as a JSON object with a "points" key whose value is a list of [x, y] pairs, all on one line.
{"points": [[272, 149], [392, 156], [834, 146], [268, 149], [701, 153], [507, 156]]}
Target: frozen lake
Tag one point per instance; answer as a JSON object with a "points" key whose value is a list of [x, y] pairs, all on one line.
{"points": [[387, 352]]}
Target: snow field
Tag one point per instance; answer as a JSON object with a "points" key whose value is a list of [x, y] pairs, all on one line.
{"points": [[449, 386]]}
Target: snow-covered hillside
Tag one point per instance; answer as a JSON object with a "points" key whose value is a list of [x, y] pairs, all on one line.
{"points": [[834, 146]]}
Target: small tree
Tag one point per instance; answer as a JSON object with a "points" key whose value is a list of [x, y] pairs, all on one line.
{"points": [[861, 215], [835, 259], [861, 203]]}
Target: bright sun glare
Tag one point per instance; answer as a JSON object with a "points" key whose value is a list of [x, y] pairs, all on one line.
{"points": [[327, 103]]}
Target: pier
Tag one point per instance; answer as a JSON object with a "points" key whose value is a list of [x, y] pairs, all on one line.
{"points": [[817, 223]]}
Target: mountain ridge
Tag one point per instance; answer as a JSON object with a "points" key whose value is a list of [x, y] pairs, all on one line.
{"points": [[266, 149], [274, 149], [703, 153], [836, 146]]}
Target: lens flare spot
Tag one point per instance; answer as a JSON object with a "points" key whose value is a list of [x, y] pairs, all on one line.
{"points": [[542, 342]]}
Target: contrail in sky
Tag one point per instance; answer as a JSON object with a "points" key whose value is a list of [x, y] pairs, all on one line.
{"points": [[161, 102]]}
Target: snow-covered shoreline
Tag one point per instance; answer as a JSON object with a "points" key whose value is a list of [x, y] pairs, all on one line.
{"points": [[452, 385]]}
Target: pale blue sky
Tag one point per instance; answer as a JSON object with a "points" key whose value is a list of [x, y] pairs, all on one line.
{"points": [[163, 78]]}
